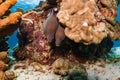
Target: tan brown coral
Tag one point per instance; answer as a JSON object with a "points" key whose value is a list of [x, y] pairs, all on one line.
{"points": [[3, 57], [3, 66], [65, 67], [86, 21], [2, 75]]}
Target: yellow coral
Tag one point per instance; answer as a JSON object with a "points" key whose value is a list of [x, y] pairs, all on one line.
{"points": [[5, 6]]}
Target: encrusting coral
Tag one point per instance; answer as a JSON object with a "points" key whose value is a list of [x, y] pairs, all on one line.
{"points": [[10, 21], [89, 21], [34, 42], [65, 67]]}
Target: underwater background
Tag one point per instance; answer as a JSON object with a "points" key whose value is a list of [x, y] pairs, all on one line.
{"points": [[31, 57], [25, 5], [28, 5]]}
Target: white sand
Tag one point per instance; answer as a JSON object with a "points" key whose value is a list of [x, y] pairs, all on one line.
{"points": [[97, 71]]}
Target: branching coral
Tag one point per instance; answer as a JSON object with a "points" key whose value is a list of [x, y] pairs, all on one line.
{"points": [[89, 21], [5, 6], [9, 22]]}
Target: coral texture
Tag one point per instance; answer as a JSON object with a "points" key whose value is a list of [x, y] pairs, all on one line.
{"points": [[4, 60], [5, 6], [0, 1], [8, 23], [89, 21], [3, 57], [65, 67], [3, 66], [32, 41], [2, 75]]}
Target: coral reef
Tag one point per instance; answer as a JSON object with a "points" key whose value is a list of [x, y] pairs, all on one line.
{"points": [[3, 57], [32, 41], [89, 26], [9, 75], [72, 69], [5, 74], [8, 23], [34, 37], [3, 66], [89, 21], [5, 6], [2, 75]]}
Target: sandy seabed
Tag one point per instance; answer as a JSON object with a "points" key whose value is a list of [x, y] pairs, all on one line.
{"points": [[99, 70]]}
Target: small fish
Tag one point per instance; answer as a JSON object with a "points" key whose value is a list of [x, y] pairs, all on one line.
{"points": [[50, 26], [59, 36]]}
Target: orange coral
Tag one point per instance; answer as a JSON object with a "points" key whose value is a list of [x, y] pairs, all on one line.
{"points": [[0, 1], [7, 75], [3, 57], [10, 21], [3, 66], [2, 75], [3, 60], [5, 6]]}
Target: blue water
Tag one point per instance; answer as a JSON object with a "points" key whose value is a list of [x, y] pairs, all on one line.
{"points": [[30, 4], [26, 5]]}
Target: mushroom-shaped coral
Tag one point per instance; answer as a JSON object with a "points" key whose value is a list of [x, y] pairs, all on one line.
{"points": [[88, 21], [8, 24]]}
